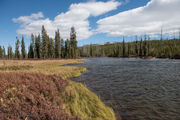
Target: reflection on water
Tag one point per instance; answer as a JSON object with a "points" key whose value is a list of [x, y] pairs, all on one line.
{"points": [[137, 89]]}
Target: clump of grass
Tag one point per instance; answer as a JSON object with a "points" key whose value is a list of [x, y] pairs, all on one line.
{"points": [[79, 101]]}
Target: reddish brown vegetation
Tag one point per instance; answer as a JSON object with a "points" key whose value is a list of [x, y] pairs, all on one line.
{"points": [[32, 97]]}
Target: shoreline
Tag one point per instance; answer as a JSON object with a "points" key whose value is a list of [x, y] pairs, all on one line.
{"points": [[143, 57], [108, 108]]}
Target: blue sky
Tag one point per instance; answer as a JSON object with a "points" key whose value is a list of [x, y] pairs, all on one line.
{"points": [[108, 21]]}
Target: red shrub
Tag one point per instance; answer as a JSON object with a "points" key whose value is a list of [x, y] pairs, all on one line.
{"points": [[32, 97]]}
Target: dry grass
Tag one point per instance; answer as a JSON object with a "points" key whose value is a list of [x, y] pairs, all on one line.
{"points": [[43, 66]]}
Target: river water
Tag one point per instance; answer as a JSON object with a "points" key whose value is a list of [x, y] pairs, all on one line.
{"points": [[137, 89]]}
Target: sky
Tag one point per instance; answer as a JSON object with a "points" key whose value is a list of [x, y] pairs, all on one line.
{"points": [[95, 21]]}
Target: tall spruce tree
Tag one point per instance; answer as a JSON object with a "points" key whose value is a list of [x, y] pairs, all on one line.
{"points": [[1, 52], [91, 51], [136, 46], [140, 48], [124, 48], [57, 44], [23, 49], [73, 43], [148, 46], [62, 48], [10, 52], [17, 53], [31, 47], [45, 41], [67, 49], [129, 49], [38, 46], [51, 48]]}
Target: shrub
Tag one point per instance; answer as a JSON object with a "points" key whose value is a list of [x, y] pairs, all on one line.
{"points": [[32, 97]]}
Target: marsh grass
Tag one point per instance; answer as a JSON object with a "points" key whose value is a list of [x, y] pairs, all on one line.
{"points": [[79, 101], [48, 67]]}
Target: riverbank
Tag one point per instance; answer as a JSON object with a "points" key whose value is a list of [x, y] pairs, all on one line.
{"points": [[76, 100], [143, 57]]}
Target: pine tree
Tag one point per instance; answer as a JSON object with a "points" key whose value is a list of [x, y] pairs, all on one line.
{"points": [[10, 52], [124, 48], [91, 51], [23, 49], [51, 48], [38, 46], [119, 50], [148, 46], [136, 46], [67, 49], [62, 48], [17, 53], [145, 46], [57, 44], [45, 39], [129, 48], [140, 48], [73, 43], [1, 52], [31, 47]]}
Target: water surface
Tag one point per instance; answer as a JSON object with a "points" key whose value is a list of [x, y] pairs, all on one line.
{"points": [[137, 89]]}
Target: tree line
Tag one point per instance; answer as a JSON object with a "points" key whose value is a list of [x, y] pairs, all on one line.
{"points": [[43, 46], [141, 47]]}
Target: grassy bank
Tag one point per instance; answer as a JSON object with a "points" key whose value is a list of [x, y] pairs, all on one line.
{"points": [[77, 102]]}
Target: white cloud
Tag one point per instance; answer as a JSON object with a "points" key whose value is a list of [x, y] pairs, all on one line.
{"points": [[28, 19], [76, 16], [150, 18]]}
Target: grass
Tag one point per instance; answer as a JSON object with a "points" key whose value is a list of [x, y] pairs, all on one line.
{"points": [[48, 67], [77, 100], [81, 102]]}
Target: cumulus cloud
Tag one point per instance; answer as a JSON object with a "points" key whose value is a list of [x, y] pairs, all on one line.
{"points": [[28, 19], [150, 18], [76, 16]]}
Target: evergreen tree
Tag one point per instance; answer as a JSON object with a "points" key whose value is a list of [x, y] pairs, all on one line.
{"points": [[38, 46], [129, 48], [17, 53], [91, 51], [148, 47], [124, 48], [45, 41], [1, 52], [140, 48], [51, 48], [31, 47], [23, 49], [57, 44], [136, 46], [145, 46], [67, 49], [10, 52], [73, 43], [62, 48]]}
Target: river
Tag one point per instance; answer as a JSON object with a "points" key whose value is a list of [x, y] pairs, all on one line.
{"points": [[137, 89]]}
